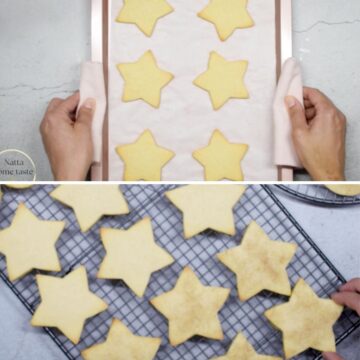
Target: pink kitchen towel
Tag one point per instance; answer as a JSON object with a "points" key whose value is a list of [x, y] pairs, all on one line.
{"points": [[290, 83], [92, 85]]}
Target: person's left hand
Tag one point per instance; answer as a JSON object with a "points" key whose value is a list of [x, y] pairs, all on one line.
{"points": [[348, 295], [67, 139]]}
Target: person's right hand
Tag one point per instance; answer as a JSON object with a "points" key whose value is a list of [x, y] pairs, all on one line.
{"points": [[348, 295], [318, 134]]}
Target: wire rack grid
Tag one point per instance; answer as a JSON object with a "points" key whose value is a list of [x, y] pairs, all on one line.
{"points": [[74, 248], [319, 194]]}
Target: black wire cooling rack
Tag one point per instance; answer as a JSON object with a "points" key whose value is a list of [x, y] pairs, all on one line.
{"points": [[258, 203], [319, 194]]}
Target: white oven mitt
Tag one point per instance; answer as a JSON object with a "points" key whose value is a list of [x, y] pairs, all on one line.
{"points": [[290, 83], [92, 85]]}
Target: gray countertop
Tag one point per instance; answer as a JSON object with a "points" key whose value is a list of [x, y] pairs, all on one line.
{"points": [[42, 43], [335, 231]]}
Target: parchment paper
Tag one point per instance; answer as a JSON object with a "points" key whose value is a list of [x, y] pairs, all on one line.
{"points": [[185, 121]]}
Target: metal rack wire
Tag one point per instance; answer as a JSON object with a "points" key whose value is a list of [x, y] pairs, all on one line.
{"points": [[319, 194], [258, 203]]}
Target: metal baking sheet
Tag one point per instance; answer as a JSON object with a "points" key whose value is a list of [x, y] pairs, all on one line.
{"points": [[101, 15]]}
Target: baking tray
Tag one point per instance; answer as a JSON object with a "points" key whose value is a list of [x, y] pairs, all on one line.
{"points": [[258, 203], [318, 195], [100, 30]]}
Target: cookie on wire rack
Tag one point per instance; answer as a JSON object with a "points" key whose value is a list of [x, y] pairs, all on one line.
{"points": [[122, 344], [259, 263], [29, 243], [192, 308], [132, 255], [207, 207], [345, 190], [306, 321], [242, 349], [66, 303]]}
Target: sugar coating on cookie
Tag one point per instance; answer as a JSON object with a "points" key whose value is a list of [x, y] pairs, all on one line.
{"points": [[259, 263], [192, 308], [304, 311]]}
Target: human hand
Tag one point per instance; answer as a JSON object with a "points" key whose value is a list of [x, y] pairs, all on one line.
{"points": [[348, 295], [67, 139], [319, 133]]}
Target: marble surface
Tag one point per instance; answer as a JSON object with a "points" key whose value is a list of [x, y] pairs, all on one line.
{"points": [[326, 41], [335, 231], [42, 43]]}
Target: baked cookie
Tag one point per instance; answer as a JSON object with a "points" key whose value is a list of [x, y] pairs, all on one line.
{"points": [[192, 308], [227, 16], [18, 186], [144, 159], [306, 321], [345, 190], [132, 255], [91, 202], [207, 207], [144, 80], [144, 13], [66, 303], [221, 159], [242, 349], [259, 263], [122, 344], [29, 243], [224, 80]]}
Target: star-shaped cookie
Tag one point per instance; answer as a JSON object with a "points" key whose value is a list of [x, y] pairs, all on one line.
{"points": [[91, 202], [144, 13], [132, 255], [29, 243], [192, 308], [18, 186], [345, 190], [223, 80], [207, 207], [259, 263], [66, 303], [144, 159], [227, 16], [242, 349], [221, 159], [306, 321], [144, 80], [122, 344]]}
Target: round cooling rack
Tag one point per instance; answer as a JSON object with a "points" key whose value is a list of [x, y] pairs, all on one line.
{"points": [[319, 194]]}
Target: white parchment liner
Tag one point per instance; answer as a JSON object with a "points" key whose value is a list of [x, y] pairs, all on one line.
{"points": [[185, 121]]}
